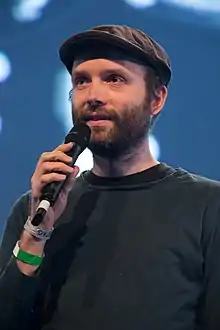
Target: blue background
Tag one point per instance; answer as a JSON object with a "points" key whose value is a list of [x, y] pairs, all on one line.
{"points": [[33, 104]]}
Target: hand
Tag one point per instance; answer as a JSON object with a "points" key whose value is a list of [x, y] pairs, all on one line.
{"points": [[46, 171]]}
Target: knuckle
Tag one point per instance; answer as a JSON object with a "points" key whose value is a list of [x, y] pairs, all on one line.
{"points": [[34, 178], [44, 155], [43, 179], [56, 155], [63, 166], [46, 166], [57, 152], [59, 176], [59, 148]]}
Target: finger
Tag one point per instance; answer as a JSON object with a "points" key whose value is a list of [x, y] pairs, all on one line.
{"points": [[33, 205], [49, 167], [47, 178], [75, 170], [68, 184], [62, 199], [64, 147], [55, 156]]}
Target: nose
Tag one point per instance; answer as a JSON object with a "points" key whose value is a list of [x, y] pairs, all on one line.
{"points": [[95, 103], [96, 96]]}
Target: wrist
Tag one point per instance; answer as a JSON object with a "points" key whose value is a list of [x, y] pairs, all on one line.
{"points": [[38, 232], [26, 257], [29, 256], [31, 244], [28, 238]]}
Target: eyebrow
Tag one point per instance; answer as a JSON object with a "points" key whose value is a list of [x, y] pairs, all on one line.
{"points": [[76, 73]]}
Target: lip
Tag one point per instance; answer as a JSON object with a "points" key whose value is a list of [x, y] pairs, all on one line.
{"points": [[99, 122]]}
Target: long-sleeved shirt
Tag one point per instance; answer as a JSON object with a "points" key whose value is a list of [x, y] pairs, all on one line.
{"points": [[138, 252]]}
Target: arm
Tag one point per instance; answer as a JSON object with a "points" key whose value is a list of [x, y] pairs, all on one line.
{"points": [[210, 300], [19, 281], [17, 290]]}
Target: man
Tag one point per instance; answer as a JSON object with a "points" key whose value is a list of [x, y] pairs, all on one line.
{"points": [[131, 244]]}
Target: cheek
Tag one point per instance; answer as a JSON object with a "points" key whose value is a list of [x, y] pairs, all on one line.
{"points": [[132, 95], [139, 94], [77, 105], [77, 101], [128, 99]]}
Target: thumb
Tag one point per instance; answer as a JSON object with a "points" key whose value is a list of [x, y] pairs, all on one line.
{"points": [[68, 184], [63, 196]]}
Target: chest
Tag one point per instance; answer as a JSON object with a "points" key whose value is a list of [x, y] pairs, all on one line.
{"points": [[128, 253]]}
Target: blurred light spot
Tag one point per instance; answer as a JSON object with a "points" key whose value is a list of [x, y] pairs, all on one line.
{"points": [[197, 5], [5, 67], [85, 161], [0, 124], [154, 147], [141, 3], [62, 106], [28, 10]]}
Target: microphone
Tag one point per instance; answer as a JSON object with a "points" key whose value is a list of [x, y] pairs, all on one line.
{"points": [[79, 135]]}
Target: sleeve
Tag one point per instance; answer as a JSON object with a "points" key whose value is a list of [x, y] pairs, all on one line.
{"points": [[209, 304], [17, 291]]}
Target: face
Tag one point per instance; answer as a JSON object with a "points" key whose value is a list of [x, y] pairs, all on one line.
{"points": [[111, 98]]}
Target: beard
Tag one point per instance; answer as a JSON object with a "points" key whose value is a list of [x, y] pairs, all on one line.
{"points": [[129, 128]]}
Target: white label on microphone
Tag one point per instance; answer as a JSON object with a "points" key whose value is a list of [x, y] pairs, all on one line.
{"points": [[44, 205]]}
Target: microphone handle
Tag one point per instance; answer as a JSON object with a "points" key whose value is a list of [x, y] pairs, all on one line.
{"points": [[52, 190]]}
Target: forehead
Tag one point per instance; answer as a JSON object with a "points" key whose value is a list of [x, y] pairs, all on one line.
{"points": [[102, 64]]}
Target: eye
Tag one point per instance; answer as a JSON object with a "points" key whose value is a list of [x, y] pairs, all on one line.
{"points": [[80, 81], [115, 78]]}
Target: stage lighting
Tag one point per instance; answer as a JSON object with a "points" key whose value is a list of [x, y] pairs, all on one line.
{"points": [[206, 6], [0, 124], [154, 146], [142, 3], [85, 161], [196, 5], [5, 67], [28, 10]]}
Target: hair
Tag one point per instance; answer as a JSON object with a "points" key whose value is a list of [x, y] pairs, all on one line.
{"points": [[153, 84]]}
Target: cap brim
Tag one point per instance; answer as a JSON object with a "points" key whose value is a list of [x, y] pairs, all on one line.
{"points": [[72, 46]]}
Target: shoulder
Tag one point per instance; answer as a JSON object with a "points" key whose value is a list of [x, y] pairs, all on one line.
{"points": [[202, 194], [199, 197], [196, 183], [194, 192]]}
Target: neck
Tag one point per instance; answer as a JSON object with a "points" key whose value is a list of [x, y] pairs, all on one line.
{"points": [[136, 161]]}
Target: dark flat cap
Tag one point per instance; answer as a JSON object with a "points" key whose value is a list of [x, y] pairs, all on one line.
{"points": [[135, 43]]}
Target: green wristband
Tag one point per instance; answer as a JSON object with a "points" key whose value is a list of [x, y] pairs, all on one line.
{"points": [[26, 257]]}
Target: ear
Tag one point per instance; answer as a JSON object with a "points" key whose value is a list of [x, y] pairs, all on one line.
{"points": [[159, 100]]}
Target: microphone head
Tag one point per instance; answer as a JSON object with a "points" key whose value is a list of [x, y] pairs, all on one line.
{"points": [[80, 135]]}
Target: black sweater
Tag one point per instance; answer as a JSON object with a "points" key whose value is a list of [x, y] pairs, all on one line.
{"points": [[140, 252]]}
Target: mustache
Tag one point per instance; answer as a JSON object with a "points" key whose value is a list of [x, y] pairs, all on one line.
{"points": [[100, 114]]}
